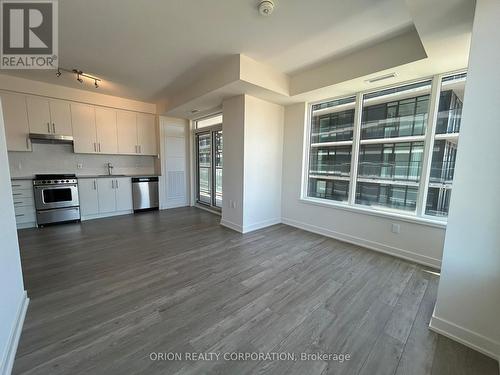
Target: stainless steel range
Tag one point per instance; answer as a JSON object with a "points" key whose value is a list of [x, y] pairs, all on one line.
{"points": [[56, 198]]}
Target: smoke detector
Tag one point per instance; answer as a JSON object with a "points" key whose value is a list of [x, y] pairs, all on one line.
{"points": [[266, 7]]}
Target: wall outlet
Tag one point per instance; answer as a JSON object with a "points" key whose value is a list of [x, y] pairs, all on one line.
{"points": [[79, 166], [396, 228]]}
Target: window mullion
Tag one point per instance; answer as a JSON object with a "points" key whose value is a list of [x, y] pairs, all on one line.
{"points": [[356, 136], [429, 144]]}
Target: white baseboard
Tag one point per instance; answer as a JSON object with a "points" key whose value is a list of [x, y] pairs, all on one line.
{"points": [[260, 225], [230, 225], [466, 337], [372, 245], [110, 214], [10, 355], [249, 228]]}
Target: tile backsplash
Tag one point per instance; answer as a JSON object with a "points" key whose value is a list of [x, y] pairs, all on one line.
{"points": [[59, 158]]}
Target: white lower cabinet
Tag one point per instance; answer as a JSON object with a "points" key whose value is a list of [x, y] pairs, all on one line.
{"points": [[24, 203], [87, 190], [107, 196], [100, 197], [123, 189]]}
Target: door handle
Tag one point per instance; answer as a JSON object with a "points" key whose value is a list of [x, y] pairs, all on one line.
{"points": [[54, 127]]}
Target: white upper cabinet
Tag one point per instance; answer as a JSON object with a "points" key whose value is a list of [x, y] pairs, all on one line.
{"points": [[107, 137], [126, 125], [84, 128], [15, 117], [49, 116], [39, 115], [146, 134], [95, 129], [60, 116]]}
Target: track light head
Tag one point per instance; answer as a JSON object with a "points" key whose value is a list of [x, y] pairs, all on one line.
{"points": [[58, 74], [96, 84]]}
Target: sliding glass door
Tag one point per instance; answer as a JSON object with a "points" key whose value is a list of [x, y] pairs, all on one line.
{"points": [[204, 145], [208, 143]]}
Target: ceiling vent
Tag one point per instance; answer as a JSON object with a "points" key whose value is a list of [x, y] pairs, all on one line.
{"points": [[381, 78]]}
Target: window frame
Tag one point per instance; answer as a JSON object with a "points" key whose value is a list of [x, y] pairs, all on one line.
{"points": [[419, 215]]}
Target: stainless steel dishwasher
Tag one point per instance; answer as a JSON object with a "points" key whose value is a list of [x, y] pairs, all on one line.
{"points": [[145, 193]]}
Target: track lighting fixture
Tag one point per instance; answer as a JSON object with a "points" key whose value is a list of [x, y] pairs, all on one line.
{"points": [[79, 74]]}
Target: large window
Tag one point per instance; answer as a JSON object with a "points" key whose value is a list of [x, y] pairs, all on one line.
{"points": [[371, 151], [332, 127], [444, 150]]}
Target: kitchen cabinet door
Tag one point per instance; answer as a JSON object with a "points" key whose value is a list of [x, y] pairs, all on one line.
{"points": [[15, 115], [107, 138], [39, 115], [146, 134], [60, 115], [126, 126], [123, 189], [87, 190], [106, 195], [84, 128]]}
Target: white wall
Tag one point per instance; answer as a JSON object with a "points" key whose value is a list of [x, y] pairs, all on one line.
{"points": [[233, 123], [263, 163], [59, 158], [468, 303], [13, 301], [421, 243]]}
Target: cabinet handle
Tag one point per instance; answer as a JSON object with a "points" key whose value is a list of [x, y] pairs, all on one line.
{"points": [[19, 215], [112, 184], [99, 146], [54, 127], [140, 149], [15, 185], [17, 193], [95, 187], [27, 143], [18, 202], [116, 182], [48, 127]]}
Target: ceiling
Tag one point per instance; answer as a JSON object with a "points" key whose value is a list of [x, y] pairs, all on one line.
{"points": [[148, 49]]}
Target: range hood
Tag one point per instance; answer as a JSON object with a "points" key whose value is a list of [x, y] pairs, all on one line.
{"points": [[50, 138]]}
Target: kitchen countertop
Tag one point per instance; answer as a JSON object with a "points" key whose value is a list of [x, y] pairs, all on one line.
{"points": [[92, 176], [117, 175]]}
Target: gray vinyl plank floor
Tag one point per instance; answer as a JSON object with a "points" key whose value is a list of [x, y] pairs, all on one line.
{"points": [[124, 295]]}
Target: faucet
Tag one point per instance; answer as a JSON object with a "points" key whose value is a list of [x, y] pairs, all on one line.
{"points": [[110, 169]]}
